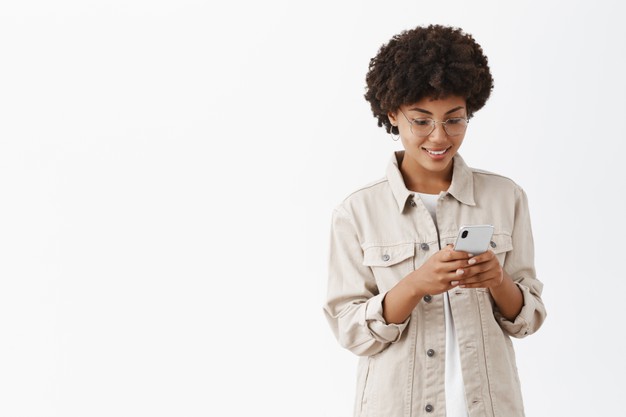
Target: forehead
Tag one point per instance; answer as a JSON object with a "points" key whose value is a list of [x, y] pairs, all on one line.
{"points": [[437, 106]]}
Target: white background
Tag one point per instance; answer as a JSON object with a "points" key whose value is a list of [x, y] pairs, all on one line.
{"points": [[168, 171]]}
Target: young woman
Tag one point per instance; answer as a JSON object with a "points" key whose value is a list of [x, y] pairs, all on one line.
{"points": [[432, 325]]}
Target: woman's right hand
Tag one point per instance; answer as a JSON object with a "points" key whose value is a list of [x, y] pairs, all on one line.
{"points": [[440, 273], [437, 275]]}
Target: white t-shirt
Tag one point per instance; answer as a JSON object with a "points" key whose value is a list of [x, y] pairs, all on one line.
{"points": [[456, 405]]}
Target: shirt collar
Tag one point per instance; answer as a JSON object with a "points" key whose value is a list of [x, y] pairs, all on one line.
{"points": [[461, 188]]}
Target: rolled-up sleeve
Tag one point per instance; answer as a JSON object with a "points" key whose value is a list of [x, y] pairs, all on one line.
{"points": [[353, 305], [520, 266]]}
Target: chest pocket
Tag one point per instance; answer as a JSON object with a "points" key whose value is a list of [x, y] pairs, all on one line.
{"points": [[501, 243], [389, 263]]}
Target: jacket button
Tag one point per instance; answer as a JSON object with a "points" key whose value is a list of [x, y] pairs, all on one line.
{"points": [[386, 257], [430, 353], [424, 246], [429, 408], [428, 298], [493, 244]]}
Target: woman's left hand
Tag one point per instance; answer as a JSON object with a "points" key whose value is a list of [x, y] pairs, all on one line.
{"points": [[482, 271]]}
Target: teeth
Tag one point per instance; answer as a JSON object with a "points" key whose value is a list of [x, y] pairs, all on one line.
{"points": [[437, 152]]}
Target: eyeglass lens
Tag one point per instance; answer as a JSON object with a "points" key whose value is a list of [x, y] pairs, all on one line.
{"points": [[453, 127]]}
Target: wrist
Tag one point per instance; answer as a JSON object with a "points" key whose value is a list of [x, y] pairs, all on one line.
{"points": [[414, 288], [505, 282]]}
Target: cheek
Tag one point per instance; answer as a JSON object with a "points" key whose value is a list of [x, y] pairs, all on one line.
{"points": [[405, 132]]}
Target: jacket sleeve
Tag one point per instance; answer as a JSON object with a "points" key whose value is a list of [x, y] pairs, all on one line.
{"points": [[520, 265], [353, 305]]}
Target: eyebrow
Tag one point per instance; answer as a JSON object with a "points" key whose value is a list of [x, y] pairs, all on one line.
{"points": [[427, 112]]}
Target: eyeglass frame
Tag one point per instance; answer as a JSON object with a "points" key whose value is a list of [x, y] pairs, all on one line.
{"points": [[433, 124]]}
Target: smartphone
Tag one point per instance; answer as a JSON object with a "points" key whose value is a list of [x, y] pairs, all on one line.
{"points": [[474, 239]]}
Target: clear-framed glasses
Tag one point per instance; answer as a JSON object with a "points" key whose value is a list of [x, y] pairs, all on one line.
{"points": [[423, 127]]}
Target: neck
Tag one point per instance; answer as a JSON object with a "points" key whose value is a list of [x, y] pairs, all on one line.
{"points": [[420, 180]]}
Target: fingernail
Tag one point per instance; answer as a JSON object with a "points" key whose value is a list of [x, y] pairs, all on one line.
{"points": [[462, 286], [460, 271], [471, 261], [470, 255], [454, 283]]}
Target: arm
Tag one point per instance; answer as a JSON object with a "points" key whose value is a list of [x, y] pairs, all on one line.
{"points": [[363, 320], [514, 286], [508, 297], [520, 265], [437, 275], [353, 306]]}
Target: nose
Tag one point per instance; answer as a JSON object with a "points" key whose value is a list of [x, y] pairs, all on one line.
{"points": [[438, 135]]}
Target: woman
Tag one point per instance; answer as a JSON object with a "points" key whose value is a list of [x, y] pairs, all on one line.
{"points": [[432, 325]]}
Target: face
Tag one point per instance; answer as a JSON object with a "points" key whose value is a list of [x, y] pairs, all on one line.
{"points": [[432, 154]]}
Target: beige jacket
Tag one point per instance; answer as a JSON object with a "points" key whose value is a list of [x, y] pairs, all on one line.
{"points": [[381, 233]]}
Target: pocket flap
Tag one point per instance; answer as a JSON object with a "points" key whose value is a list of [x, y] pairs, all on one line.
{"points": [[501, 242], [388, 255]]}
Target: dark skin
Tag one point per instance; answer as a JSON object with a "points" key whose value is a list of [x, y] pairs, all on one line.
{"points": [[446, 269]]}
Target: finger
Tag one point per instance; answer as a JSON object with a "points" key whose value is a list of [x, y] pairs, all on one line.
{"points": [[454, 277], [450, 269], [458, 275], [481, 277], [483, 257], [452, 255], [455, 266], [480, 281], [460, 271], [482, 272], [484, 282], [465, 254], [479, 268]]}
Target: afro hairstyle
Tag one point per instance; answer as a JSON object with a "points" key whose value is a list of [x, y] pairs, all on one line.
{"points": [[435, 62]]}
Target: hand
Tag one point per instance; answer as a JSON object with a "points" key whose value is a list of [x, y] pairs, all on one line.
{"points": [[439, 273], [481, 271]]}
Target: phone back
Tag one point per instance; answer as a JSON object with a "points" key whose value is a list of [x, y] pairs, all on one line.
{"points": [[474, 239]]}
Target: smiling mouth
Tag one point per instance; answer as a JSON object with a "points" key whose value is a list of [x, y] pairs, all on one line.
{"points": [[436, 153]]}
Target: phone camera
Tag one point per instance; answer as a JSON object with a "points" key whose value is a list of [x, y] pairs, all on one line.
{"points": [[464, 234]]}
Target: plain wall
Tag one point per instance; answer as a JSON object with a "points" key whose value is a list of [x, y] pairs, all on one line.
{"points": [[168, 171]]}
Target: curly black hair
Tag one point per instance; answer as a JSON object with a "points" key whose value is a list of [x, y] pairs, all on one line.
{"points": [[434, 61]]}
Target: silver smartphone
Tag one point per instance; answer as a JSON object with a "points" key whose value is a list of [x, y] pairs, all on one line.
{"points": [[474, 239]]}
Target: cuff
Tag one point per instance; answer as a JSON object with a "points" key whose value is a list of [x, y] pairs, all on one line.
{"points": [[383, 332], [521, 326]]}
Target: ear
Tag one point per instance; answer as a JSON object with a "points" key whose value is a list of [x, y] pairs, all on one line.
{"points": [[392, 118]]}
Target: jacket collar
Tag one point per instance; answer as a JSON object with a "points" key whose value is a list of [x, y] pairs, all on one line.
{"points": [[461, 188]]}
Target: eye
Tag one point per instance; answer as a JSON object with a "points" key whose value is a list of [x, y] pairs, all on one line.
{"points": [[422, 122], [455, 121]]}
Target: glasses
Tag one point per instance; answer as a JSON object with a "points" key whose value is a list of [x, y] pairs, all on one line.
{"points": [[423, 127]]}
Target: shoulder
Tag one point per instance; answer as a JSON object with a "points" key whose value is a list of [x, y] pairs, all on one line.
{"points": [[492, 179], [374, 187], [367, 196], [493, 188]]}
